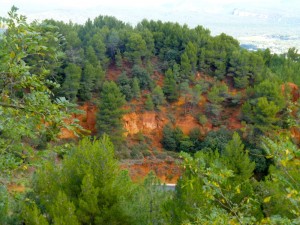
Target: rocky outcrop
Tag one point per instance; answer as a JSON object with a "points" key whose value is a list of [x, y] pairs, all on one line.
{"points": [[145, 122]]}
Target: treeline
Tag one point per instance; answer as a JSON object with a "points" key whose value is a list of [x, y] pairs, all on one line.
{"points": [[94, 46]]}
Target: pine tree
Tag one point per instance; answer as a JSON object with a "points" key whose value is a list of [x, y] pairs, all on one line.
{"points": [[191, 51], [71, 84], [136, 88], [109, 117], [158, 97], [99, 78], [186, 67], [87, 82], [149, 103], [91, 56], [32, 215], [63, 211], [87, 188], [170, 86], [119, 60], [237, 158], [196, 94], [124, 84], [135, 48], [88, 200]]}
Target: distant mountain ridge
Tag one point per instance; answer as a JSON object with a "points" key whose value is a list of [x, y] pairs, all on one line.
{"points": [[271, 16]]}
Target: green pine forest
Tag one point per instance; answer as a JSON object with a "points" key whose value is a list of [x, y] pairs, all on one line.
{"points": [[248, 175]]}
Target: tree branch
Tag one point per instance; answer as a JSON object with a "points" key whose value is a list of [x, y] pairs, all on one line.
{"points": [[11, 105]]}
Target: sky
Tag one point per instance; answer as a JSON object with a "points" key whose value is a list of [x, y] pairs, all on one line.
{"points": [[135, 9], [246, 20]]}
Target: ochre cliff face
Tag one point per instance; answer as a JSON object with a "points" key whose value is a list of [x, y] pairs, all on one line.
{"points": [[146, 122]]}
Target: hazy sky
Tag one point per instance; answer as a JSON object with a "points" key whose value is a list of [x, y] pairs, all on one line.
{"points": [[213, 14], [30, 7], [259, 22]]}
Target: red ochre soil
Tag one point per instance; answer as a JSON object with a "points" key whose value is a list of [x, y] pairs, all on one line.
{"points": [[151, 125], [166, 171]]}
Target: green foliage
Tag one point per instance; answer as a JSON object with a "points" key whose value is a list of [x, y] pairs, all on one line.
{"points": [[281, 190], [124, 84], [216, 188], [149, 201], [265, 111], [285, 66], [216, 140], [174, 140], [259, 157], [28, 110], [202, 119], [92, 80], [206, 194], [196, 94], [213, 111], [195, 138], [32, 215], [158, 97], [143, 77], [186, 93], [91, 55], [112, 43], [191, 51], [270, 90], [87, 82], [218, 93], [216, 97], [97, 47], [149, 105], [170, 86], [119, 59], [136, 48], [71, 84], [136, 88], [62, 210], [244, 66], [88, 188], [241, 82], [109, 117], [149, 40], [238, 160], [263, 114], [185, 66], [4, 205], [216, 54]]}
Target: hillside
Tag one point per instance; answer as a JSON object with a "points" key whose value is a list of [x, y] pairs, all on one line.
{"points": [[140, 125], [88, 111]]}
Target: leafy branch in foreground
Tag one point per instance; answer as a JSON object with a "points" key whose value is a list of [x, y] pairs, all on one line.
{"points": [[28, 111]]}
